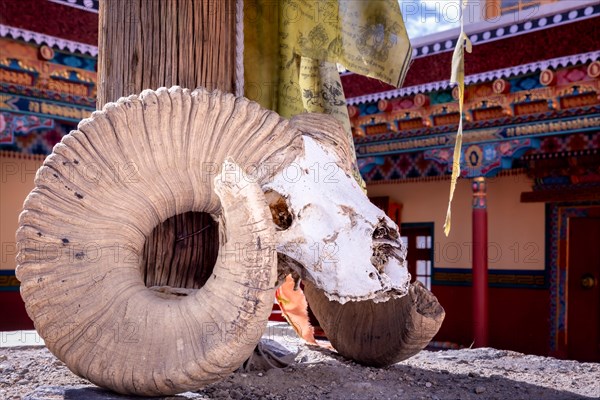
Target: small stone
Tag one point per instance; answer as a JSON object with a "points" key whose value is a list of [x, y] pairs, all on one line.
{"points": [[3, 358], [236, 395], [226, 384], [8, 370], [357, 385], [276, 372], [260, 374], [428, 384], [23, 382], [479, 389], [220, 394], [472, 375]]}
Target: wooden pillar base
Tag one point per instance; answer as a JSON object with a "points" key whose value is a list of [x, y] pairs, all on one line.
{"points": [[150, 44], [181, 252]]}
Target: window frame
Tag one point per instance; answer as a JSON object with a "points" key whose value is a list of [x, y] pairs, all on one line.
{"points": [[419, 254]]}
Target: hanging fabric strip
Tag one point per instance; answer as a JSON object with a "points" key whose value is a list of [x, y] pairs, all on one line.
{"points": [[458, 76]]}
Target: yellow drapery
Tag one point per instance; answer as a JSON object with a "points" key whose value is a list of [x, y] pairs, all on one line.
{"points": [[292, 48], [458, 77]]}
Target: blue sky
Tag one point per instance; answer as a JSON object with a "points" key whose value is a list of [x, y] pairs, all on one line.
{"points": [[423, 17]]}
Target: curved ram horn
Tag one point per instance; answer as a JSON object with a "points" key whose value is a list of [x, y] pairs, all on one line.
{"points": [[378, 334], [82, 232]]}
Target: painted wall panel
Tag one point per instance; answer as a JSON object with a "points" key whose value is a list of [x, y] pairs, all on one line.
{"points": [[515, 229], [16, 181]]}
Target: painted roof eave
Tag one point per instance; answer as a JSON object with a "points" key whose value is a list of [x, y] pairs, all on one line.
{"points": [[554, 63], [52, 41], [509, 25]]}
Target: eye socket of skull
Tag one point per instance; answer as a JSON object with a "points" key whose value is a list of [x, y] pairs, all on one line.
{"points": [[279, 209]]}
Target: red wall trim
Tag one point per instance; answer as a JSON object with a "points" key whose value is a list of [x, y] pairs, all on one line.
{"points": [[51, 19], [518, 318]]}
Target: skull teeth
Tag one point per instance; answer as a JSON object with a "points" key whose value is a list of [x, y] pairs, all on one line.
{"points": [[383, 251], [386, 245], [387, 242], [383, 231]]}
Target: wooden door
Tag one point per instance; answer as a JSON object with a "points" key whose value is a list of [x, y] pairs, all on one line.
{"points": [[583, 291]]}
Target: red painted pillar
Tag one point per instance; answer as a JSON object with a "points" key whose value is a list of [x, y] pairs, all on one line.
{"points": [[480, 264]]}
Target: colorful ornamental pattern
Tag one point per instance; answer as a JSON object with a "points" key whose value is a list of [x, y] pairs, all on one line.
{"points": [[548, 111], [485, 159], [504, 73], [13, 125], [52, 41], [415, 165], [479, 186], [30, 134], [424, 139], [44, 93], [400, 167]]}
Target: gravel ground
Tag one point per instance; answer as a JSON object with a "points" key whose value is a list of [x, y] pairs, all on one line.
{"points": [[33, 373]]}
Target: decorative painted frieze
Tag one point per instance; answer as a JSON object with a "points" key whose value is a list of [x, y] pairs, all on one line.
{"points": [[488, 76], [486, 159], [40, 39]]}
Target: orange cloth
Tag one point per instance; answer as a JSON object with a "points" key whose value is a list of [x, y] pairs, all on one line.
{"points": [[294, 308]]}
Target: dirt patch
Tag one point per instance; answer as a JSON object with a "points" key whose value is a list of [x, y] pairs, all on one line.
{"points": [[32, 373]]}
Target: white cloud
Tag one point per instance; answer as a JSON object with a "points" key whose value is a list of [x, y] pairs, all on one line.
{"points": [[423, 17]]}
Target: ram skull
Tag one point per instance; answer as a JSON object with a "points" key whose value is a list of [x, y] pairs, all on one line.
{"points": [[305, 205]]}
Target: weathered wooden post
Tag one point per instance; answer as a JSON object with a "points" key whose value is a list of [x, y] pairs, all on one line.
{"points": [[146, 44]]}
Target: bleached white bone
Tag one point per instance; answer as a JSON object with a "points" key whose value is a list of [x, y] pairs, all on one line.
{"points": [[331, 234]]}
